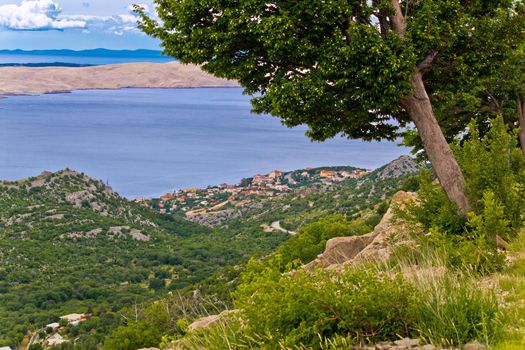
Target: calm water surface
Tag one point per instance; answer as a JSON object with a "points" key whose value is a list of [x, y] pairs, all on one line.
{"points": [[80, 59], [145, 142]]}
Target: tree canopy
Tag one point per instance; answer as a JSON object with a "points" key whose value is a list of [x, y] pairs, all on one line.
{"points": [[334, 65], [357, 68]]}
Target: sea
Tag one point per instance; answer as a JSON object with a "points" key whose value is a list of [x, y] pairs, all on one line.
{"points": [[146, 142], [79, 58]]}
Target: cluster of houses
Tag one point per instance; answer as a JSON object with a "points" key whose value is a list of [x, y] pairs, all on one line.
{"points": [[276, 183], [54, 328]]}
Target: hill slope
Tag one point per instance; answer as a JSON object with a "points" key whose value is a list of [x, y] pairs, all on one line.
{"points": [[69, 244], [31, 80]]}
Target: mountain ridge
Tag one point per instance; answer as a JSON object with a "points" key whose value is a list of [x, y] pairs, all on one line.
{"points": [[46, 80]]}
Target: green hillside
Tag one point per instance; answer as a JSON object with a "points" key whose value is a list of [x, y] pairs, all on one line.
{"points": [[69, 244]]}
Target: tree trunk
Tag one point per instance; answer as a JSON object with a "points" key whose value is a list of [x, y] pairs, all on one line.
{"points": [[520, 106], [444, 163], [419, 109]]}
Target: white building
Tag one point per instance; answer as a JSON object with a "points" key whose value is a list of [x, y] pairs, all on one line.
{"points": [[54, 326], [55, 339]]}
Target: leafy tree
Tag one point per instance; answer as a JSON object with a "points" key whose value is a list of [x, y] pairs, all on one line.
{"points": [[340, 67], [507, 91], [133, 336]]}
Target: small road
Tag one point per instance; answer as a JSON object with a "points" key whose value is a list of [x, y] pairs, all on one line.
{"points": [[277, 226]]}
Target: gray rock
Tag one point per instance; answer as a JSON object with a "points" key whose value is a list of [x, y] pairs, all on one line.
{"points": [[475, 345], [407, 342], [402, 166]]}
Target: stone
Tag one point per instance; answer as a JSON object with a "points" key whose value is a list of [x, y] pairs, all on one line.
{"points": [[375, 246], [407, 342], [428, 347], [475, 345], [207, 321], [383, 346], [204, 322]]}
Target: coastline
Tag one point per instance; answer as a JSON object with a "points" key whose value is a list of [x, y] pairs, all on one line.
{"points": [[28, 81]]}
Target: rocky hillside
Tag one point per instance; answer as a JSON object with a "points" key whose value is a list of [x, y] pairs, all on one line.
{"points": [[69, 244], [402, 166], [61, 203], [310, 202]]}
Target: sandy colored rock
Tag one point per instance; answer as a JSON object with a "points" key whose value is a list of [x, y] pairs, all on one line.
{"points": [[474, 346], [204, 322], [40, 80], [210, 320], [342, 249], [375, 246], [407, 342]]}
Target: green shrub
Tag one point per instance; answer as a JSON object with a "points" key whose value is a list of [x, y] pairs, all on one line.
{"points": [[494, 164], [301, 308], [133, 336], [494, 169]]}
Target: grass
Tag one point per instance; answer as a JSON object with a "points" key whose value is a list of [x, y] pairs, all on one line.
{"points": [[511, 283], [454, 307]]}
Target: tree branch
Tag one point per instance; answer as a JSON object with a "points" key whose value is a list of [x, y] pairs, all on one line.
{"points": [[398, 20], [424, 65]]}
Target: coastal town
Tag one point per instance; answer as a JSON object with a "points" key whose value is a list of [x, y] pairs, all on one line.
{"points": [[194, 202]]}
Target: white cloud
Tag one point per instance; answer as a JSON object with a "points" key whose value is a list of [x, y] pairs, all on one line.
{"points": [[36, 15], [47, 15]]}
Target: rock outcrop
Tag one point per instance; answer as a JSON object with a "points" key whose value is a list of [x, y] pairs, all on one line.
{"points": [[207, 321], [404, 165], [375, 246]]}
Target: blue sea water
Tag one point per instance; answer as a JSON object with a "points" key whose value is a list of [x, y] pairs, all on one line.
{"points": [[86, 57], [145, 142]]}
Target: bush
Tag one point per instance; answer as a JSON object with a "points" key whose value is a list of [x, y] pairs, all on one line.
{"points": [[134, 336], [494, 170], [494, 164], [359, 303]]}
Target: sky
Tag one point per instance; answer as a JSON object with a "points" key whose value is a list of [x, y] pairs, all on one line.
{"points": [[72, 24]]}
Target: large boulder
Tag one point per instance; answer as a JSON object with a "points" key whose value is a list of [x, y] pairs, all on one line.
{"points": [[375, 246], [207, 321]]}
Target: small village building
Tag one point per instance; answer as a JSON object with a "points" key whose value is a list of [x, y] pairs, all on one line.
{"points": [[55, 339], [167, 197], [75, 319], [275, 174], [259, 180], [327, 173], [54, 326]]}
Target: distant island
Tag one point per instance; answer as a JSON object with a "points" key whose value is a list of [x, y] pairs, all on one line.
{"points": [[46, 64], [44, 80]]}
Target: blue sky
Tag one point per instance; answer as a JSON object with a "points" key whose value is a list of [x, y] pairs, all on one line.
{"points": [[71, 24]]}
